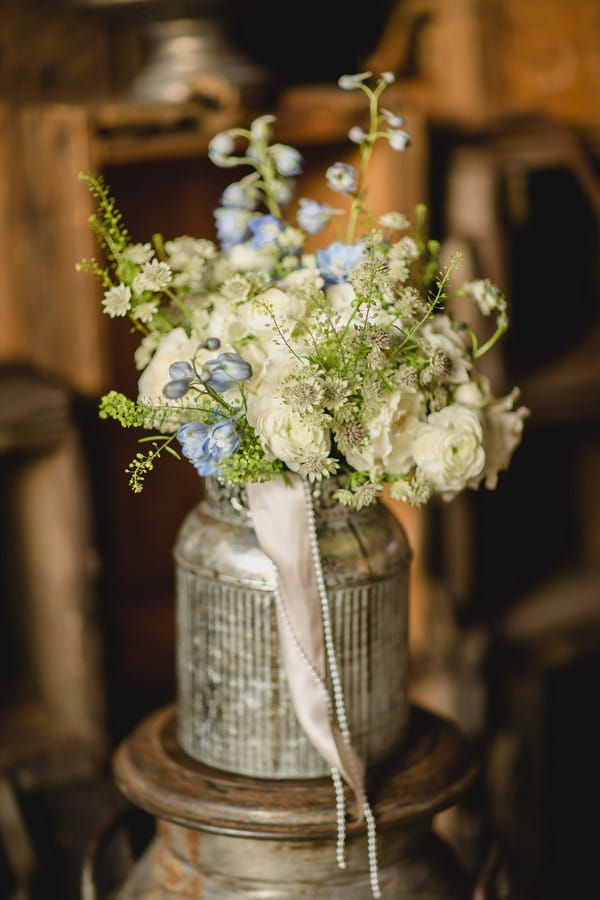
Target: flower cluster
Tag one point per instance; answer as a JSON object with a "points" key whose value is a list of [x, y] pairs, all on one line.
{"points": [[258, 358]]}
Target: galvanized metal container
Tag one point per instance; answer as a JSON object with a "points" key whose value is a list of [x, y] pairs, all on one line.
{"points": [[234, 709]]}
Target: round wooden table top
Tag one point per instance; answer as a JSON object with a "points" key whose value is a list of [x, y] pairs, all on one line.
{"points": [[434, 768]]}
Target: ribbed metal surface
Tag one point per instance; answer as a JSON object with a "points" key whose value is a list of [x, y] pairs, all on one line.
{"points": [[234, 706]]}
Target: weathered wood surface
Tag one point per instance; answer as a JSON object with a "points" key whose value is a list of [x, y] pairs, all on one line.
{"points": [[50, 314], [468, 62], [152, 771]]}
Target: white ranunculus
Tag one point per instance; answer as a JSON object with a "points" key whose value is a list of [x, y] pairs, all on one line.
{"points": [[440, 334], [391, 435], [284, 434], [246, 258], [173, 347], [340, 298], [224, 321], [448, 448], [476, 392], [502, 431], [255, 324], [304, 276]]}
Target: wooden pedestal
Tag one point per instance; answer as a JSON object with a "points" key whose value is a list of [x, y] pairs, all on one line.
{"points": [[223, 836]]}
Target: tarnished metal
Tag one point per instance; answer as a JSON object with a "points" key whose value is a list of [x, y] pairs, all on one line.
{"points": [[221, 835], [234, 707], [415, 865]]}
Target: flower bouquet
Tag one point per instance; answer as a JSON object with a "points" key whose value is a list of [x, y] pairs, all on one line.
{"points": [[270, 367]]}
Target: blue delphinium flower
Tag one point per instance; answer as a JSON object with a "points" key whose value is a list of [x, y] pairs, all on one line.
{"points": [[341, 177], [288, 160], [225, 371], [393, 120], [357, 134], [232, 225], [241, 194], [220, 150], [265, 230], [352, 82], [335, 261], [182, 375], [314, 216], [283, 190], [399, 139], [206, 446]]}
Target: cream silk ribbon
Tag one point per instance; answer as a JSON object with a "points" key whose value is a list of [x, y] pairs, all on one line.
{"points": [[281, 523]]}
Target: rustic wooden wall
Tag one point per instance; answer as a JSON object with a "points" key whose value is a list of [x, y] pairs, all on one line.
{"points": [[55, 50]]}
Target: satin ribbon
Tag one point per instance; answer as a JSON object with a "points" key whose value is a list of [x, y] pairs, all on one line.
{"points": [[281, 524]]}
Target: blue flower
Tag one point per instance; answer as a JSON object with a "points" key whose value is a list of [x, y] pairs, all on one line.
{"points": [[224, 371], [399, 139], [265, 230], [314, 216], [392, 119], [182, 375], [357, 134], [341, 177], [283, 190], [242, 195], [206, 446], [220, 150], [352, 82], [232, 225], [288, 160], [335, 261]]}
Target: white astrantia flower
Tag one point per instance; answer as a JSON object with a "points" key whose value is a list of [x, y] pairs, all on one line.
{"points": [[138, 253], [185, 251], [117, 300], [145, 312], [154, 276], [487, 296], [406, 248], [439, 334], [395, 220]]}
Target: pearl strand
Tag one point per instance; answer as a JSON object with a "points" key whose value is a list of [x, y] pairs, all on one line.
{"points": [[340, 813], [340, 707]]}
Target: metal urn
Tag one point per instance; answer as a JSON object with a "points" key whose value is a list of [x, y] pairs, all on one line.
{"points": [[234, 709]]}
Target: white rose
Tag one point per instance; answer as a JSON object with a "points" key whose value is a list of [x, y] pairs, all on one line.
{"points": [[284, 434], [440, 335], [448, 448], [391, 435]]}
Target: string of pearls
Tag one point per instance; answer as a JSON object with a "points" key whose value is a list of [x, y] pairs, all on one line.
{"points": [[338, 786], [340, 707]]}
